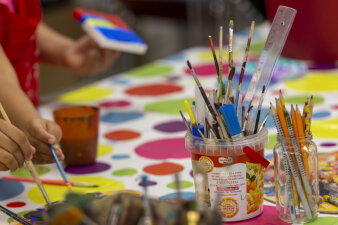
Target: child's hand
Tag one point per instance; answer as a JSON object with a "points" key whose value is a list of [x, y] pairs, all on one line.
{"points": [[14, 147], [85, 56], [42, 132]]}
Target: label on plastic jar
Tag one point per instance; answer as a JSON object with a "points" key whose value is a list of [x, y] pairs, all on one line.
{"points": [[234, 183]]}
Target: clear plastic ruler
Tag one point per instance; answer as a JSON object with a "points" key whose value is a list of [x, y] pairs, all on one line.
{"points": [[267, 62]]}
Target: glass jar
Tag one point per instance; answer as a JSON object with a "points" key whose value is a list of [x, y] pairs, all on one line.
{"points": [[296, 179]]}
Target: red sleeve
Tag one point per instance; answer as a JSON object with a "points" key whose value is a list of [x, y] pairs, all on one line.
{"points": [[3, 15]]}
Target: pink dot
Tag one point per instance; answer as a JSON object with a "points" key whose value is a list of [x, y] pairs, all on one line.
{"points": [[114, 103], [334, 107], [154, 89], [170, 148], [16, 204], [207, 70]]}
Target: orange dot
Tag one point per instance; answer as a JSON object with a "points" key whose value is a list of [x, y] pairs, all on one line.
{"points": [[122, 135], [165, 168]]}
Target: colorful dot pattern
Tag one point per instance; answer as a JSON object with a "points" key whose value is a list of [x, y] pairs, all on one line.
{"points": [[141, 131]]}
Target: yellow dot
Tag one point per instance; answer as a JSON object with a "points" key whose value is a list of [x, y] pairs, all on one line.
{"points": [[319, 81], [104, 150], [325, 128], [86, 94], [57, 192]]}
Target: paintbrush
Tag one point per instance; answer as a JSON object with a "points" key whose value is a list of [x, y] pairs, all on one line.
{"points": [[246, 54], [192, 118], [231, 33], [259, 109], [264, 120], [63, 174], [207, 102], [228, 92], [29, 165], [186, 122], [199, 85], [147, 218], [220, 72], [243, 117], [14, 216], [214, 55]]}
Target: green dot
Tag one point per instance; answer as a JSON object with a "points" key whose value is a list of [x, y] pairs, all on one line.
{"points": [[10, 220], [151, 70], [256, 47], [125, 172], [183, 184], [329, 220], [272, 141], [300, 99], [24, 172], [168, 106]]}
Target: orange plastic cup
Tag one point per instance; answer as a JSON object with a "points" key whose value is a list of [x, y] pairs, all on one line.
{"points": [[80, 126]]}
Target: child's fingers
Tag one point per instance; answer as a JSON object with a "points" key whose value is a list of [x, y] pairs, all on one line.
{"points": [[38, 131], [55, 130], [12, 148], [3, 167], [8, 160], [59, 153], [16, 140]]}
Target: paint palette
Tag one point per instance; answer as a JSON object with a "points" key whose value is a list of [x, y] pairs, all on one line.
{"points": [[109, 31]]}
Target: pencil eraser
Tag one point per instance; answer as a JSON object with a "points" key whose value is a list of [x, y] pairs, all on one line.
{"points": [[252, 154], [230, 117], [195, 131]]}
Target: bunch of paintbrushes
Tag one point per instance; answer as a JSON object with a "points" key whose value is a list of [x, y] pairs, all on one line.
{"points": [[223, 114], [215, 116], [292, 130]]}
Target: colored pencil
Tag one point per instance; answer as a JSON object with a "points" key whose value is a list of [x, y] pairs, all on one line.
{"points": [[246, 54], [302, 143], [14, 216], [48, 181], [291, 163], [300, 164], [29, 165]]}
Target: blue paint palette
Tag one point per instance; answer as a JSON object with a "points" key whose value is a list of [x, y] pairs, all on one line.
{"points": [[109, 31]]}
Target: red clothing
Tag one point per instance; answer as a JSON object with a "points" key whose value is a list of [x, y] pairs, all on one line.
{"points": [[18, 39]]}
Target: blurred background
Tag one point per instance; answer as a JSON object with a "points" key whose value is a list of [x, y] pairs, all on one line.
{"points": [[167, 26]]}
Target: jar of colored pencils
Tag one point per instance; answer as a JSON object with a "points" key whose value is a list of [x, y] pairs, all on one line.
{"points": [[296, 179]]}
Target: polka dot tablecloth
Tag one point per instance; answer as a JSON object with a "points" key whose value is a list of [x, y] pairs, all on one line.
{"points": [[141, 130]]}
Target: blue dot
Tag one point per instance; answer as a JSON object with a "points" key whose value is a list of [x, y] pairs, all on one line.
{"points": [[10, 189], [188, 196], [321, 114], [119, 117], [121, 156], [120, 81], [176, 57]]}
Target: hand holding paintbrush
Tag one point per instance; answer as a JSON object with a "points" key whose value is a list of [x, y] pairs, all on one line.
{"points": [[29, 165]]}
